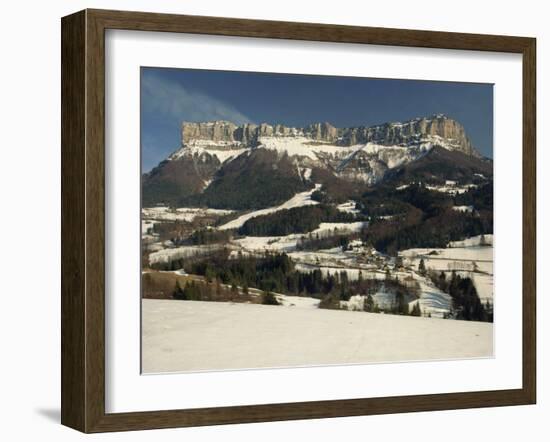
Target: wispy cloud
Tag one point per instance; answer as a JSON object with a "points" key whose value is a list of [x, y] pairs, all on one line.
{"points": [[169, 98]]}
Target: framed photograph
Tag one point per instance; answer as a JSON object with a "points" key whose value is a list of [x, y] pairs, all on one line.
{"points": [[268, 221]]}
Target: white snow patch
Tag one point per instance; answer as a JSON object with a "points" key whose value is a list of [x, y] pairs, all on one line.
{"points": [[268, 243], [348, 207], [222, 150], [467, 209], [305, 172]]}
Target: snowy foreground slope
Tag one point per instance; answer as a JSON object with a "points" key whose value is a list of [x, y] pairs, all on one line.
{"points": [[194, 335]]}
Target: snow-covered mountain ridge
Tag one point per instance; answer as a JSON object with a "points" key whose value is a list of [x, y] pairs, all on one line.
{"points": [[357, 153], [217, 157]]}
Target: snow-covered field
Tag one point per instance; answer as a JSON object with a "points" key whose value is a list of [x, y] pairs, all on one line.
{"points": [[432, 300], [168, 255], [298, 200], [163, 213], [458, 258], [467, 257], [194, 336], [268, 243]]}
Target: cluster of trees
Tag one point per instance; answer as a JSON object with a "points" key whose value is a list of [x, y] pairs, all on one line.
{"points": [[296, 220], [318, 242], [209, 236], [269, 298], [440, 165], [167, 266], [174, 231], [203, 291], [276, 273], [421, 218], [416, 310], [214, 291], [466, 302], [271, 272], [385, 200], [480, 197], [335, 190]]}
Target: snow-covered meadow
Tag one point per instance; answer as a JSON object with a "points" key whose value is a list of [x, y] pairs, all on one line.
{"points": [[196, 336]]}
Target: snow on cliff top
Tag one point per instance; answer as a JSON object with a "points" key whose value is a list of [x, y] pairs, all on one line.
{"points": [[222, 150], [303, 146]]}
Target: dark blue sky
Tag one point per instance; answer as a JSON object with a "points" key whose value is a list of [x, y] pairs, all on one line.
{"points": [[170, 96]]}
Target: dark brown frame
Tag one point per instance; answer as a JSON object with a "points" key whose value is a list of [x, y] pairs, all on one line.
{"points": [[83, 215]]}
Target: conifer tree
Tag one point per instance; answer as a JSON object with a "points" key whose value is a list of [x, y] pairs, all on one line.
{"points": [[422, 267], [179, 293], [416, 311], [369, 303]]}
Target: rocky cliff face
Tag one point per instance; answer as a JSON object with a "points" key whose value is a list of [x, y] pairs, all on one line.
{"points": [[452, 133], [213, 131], [438, 130]]}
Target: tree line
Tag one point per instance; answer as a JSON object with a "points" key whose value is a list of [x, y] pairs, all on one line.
{"points": [[276, 272], [296, 220]]}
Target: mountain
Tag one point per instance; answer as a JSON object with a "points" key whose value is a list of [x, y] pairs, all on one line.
{"points": [[254, 180], [172, 180], [224, 165]]}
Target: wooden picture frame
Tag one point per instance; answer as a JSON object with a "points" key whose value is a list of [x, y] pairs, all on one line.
{"points": [[83, 220]]}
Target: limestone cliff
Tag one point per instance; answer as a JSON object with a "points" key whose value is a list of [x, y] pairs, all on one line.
{"points": [[438, 130]]}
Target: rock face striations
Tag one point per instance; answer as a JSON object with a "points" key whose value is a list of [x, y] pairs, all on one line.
{"points": [[438, 129]]}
